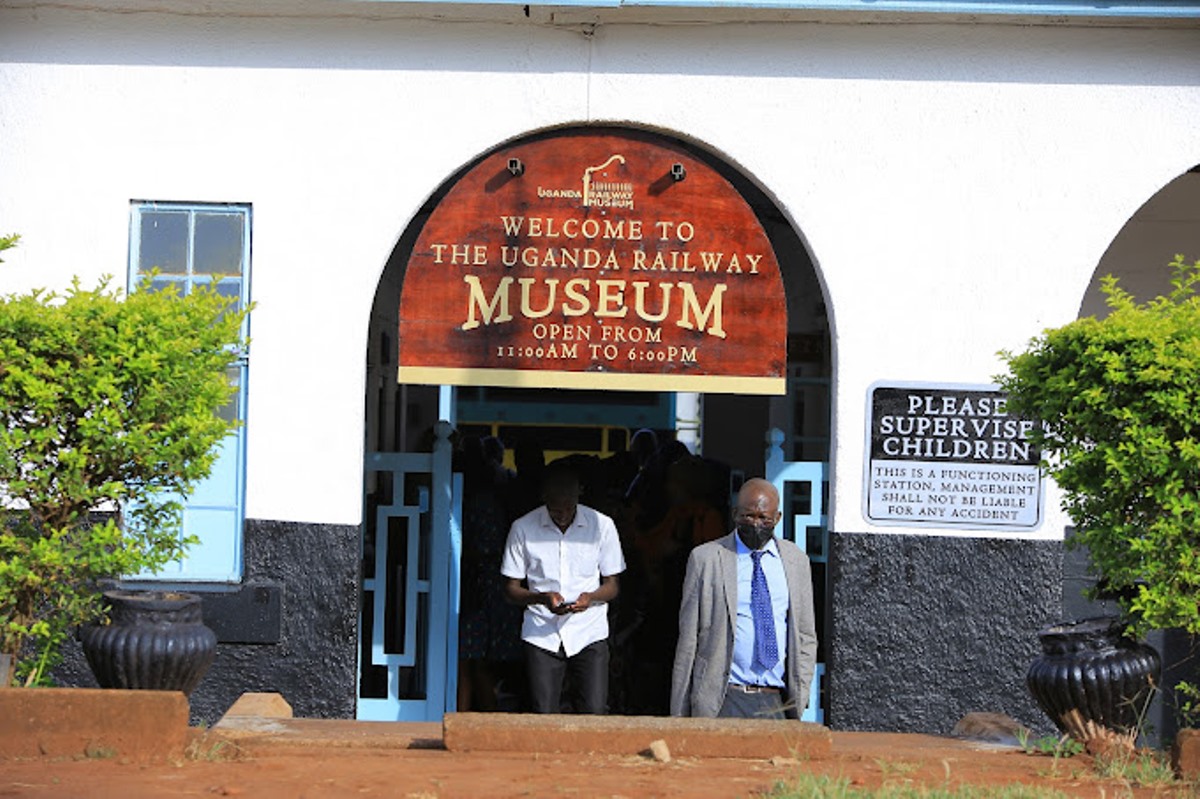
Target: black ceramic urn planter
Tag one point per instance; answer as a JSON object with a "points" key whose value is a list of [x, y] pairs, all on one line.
{"points": [[1090, 672], [154, 640]]}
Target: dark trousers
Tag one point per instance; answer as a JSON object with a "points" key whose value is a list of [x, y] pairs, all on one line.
{"points": [[587, 671], [740, 705]]}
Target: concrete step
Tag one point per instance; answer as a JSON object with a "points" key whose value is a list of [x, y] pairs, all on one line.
{"points": [[684, 737], [263, 721], [257, 733], [144, 726]]}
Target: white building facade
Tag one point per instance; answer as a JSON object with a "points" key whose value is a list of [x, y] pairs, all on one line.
{"points": [[954, 175]]}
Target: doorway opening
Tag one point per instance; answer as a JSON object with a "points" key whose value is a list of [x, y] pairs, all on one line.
{"points": [[665, 465]]}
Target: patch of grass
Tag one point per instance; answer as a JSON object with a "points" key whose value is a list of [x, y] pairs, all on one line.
{"points": [[205, 749], [94, 751], [1142, 768], [1056, 748], [895, 768], [1064, 746], [812, 786]]}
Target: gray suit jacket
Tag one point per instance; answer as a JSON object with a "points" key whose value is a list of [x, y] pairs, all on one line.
{"points": [[708, 617]]}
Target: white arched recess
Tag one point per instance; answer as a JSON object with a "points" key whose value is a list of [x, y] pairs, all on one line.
{"points": [[1167, 224], [399, 685]]}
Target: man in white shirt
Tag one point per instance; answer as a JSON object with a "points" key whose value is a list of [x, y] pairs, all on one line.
{"points": [[569, 556]]}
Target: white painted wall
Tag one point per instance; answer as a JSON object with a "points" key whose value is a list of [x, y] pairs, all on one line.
{"points": [[957, 183]]}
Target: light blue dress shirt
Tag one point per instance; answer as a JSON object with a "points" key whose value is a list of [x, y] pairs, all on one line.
{"points": [[744, 670]]}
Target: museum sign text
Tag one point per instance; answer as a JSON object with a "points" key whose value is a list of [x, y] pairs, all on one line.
{"points": [[608, 259]]}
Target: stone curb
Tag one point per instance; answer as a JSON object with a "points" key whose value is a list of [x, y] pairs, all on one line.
{"points": [[142, 726], [260, 706], [630, 735], [258, 722], [1185, 754], [258, 735]]}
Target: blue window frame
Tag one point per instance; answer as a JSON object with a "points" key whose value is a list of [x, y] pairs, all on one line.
{"points": [[185, 245]]}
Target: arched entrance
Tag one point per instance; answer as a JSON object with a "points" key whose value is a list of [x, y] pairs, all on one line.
{"points": [[571, 288]]}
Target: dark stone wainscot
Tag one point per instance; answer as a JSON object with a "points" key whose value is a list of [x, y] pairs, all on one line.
{"points": [[289, 627], [926, 629]]}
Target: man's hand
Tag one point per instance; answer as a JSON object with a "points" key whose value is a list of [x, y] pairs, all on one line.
{"points": [[558, 606], [582, 603]]}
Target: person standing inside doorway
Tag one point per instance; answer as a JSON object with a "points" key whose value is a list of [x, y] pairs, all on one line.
{"points": [[747, 633], [568, 556]]}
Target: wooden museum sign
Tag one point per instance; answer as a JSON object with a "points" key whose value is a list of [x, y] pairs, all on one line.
{"points": [[594, 259]]}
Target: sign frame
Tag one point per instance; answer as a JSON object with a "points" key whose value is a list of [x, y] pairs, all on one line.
{"points": [[1008, 497], [594, 257]]}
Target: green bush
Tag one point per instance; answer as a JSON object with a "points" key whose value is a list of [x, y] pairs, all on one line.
{"points": [[1119, 403], [108, 415]]}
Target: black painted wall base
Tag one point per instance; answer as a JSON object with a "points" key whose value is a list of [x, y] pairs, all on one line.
{"points": [[297, 608], [927, 629], [923, 629]]}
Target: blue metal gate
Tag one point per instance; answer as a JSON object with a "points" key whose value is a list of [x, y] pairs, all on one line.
{"points": [[412, 540], [803, 488]]}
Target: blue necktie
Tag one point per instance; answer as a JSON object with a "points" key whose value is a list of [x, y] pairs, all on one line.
{"points": [[766, 650]]}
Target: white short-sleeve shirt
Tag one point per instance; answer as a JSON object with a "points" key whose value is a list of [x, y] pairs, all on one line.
{"points": [[570, 563]]}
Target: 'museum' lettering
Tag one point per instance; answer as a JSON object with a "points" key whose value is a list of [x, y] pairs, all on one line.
{"points": [[600, 298]]}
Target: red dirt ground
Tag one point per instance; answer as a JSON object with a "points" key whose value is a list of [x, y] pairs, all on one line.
{"points": [[865, 759]]}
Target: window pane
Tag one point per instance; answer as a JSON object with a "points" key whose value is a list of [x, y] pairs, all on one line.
{"points": [[162, 283], [218, 244], [231, 289], [164, 242], [232, 409]]}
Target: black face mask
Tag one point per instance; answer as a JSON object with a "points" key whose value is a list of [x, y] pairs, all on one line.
{"points": [[753, 535]]}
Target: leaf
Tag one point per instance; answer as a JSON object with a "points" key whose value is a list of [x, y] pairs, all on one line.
{"points": [[1118, 401], [106, 400]]}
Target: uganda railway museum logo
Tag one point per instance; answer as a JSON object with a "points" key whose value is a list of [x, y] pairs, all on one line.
{"points": [[602, 192], [952, 456]]}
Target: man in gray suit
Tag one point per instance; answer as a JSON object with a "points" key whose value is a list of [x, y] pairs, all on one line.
{"points": [[747, 635]]}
